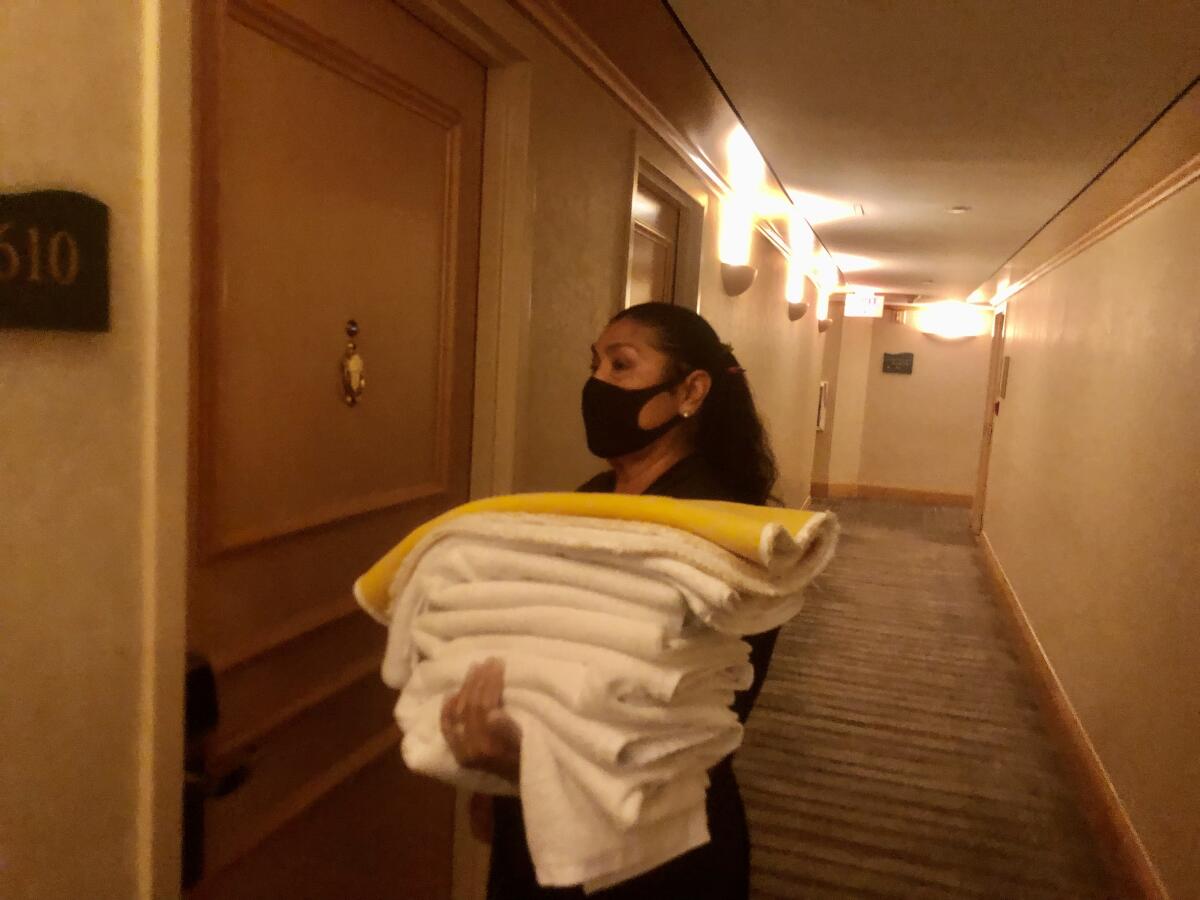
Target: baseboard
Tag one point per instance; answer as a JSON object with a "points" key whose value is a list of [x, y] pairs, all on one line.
{"points": [[1132, 871], [883, 492], [824, 490]]}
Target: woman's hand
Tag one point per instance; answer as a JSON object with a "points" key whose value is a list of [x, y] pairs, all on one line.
{"points": [[476, 728]]}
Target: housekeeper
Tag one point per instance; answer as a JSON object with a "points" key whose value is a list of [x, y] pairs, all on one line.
{"points": [[670, 410]]}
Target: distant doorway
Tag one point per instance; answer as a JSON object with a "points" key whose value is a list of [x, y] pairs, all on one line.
{"points": [[664, 259], [990, 410]]}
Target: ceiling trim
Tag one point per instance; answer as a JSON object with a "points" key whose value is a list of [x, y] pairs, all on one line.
{"points": [[567, 33], [552, 19], [1162, 162], [1172, 184]]}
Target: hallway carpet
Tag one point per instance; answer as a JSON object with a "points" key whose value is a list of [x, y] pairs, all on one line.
{"points": [[895, 750]]}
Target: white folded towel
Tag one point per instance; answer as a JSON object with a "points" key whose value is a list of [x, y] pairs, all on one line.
{"points": [[501, 594], [458, 561], [624, 777], [575, 686], [707, 664], [621, 651], [564, 811], [737, 597], [644, 639]]}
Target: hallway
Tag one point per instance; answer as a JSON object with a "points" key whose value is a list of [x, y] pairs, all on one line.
{"points": [[282, 281], [895, 750]]}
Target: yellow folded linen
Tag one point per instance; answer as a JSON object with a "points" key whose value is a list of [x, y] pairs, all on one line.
{"points": [[753, 533]]}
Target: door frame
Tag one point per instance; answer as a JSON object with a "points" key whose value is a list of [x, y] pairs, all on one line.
{"points": [[991, 401], [494, 34], [689, 241]]}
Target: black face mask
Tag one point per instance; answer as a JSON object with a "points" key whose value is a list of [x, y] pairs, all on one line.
{"points": [[610, 417]]}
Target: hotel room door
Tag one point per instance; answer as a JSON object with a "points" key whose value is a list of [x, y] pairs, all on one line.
{"points": [[990, 411], [339, 151]]}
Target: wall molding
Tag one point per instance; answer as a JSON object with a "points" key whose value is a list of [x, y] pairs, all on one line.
{"points": [[886, 492], [283, 28], [1147, 200], [1130, 867], [1161, 163], [567, 33]]}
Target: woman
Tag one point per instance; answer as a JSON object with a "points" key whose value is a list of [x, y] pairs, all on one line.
{"points": [[669, 408]]}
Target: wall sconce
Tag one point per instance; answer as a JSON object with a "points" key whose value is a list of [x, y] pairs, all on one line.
{"points": [[799, 283], [823, 320], [735, 236], [737, 279], [738, 214]]}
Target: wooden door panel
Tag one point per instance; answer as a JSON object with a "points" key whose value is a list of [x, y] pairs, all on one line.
{"points": [[294, 862], [339, 178], [274, 592], [311, 149], [267, 690], [300, 760]]}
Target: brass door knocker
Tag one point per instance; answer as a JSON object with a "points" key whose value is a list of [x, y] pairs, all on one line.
{"points": [[354, 381]]}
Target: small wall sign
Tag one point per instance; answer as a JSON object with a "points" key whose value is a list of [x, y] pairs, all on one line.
{"points": [[53, 261], [898, 363]]}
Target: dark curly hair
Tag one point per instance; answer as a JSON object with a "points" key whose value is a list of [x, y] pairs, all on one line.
{"points": [[729, 433]]}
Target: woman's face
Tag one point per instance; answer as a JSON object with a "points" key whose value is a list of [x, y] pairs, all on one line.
{"points": [[625, 356]]}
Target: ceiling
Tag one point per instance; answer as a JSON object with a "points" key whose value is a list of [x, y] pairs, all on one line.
{"points": [[1009, 107]]}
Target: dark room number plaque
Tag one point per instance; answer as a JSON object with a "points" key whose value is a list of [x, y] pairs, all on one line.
{"points": [[53, 261]]}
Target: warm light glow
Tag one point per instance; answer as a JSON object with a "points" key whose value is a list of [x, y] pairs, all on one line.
{"points": [[746, 168], [797, 275], [801, 264], [953, 319], [822, 305], [828, 272], [817, 209], [864, 305], [643, 206], [738, 213], [1002, 289], [737, 230], [850, 262]]}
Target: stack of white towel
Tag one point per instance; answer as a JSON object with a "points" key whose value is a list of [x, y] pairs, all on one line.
{"points": [[621, 653]]}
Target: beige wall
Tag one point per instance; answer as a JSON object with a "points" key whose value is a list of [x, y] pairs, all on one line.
{"points": [[916, 432], [922, 431], [1092, 502], [782, 358], [89, 492], [583, 151], [849, 389]]}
